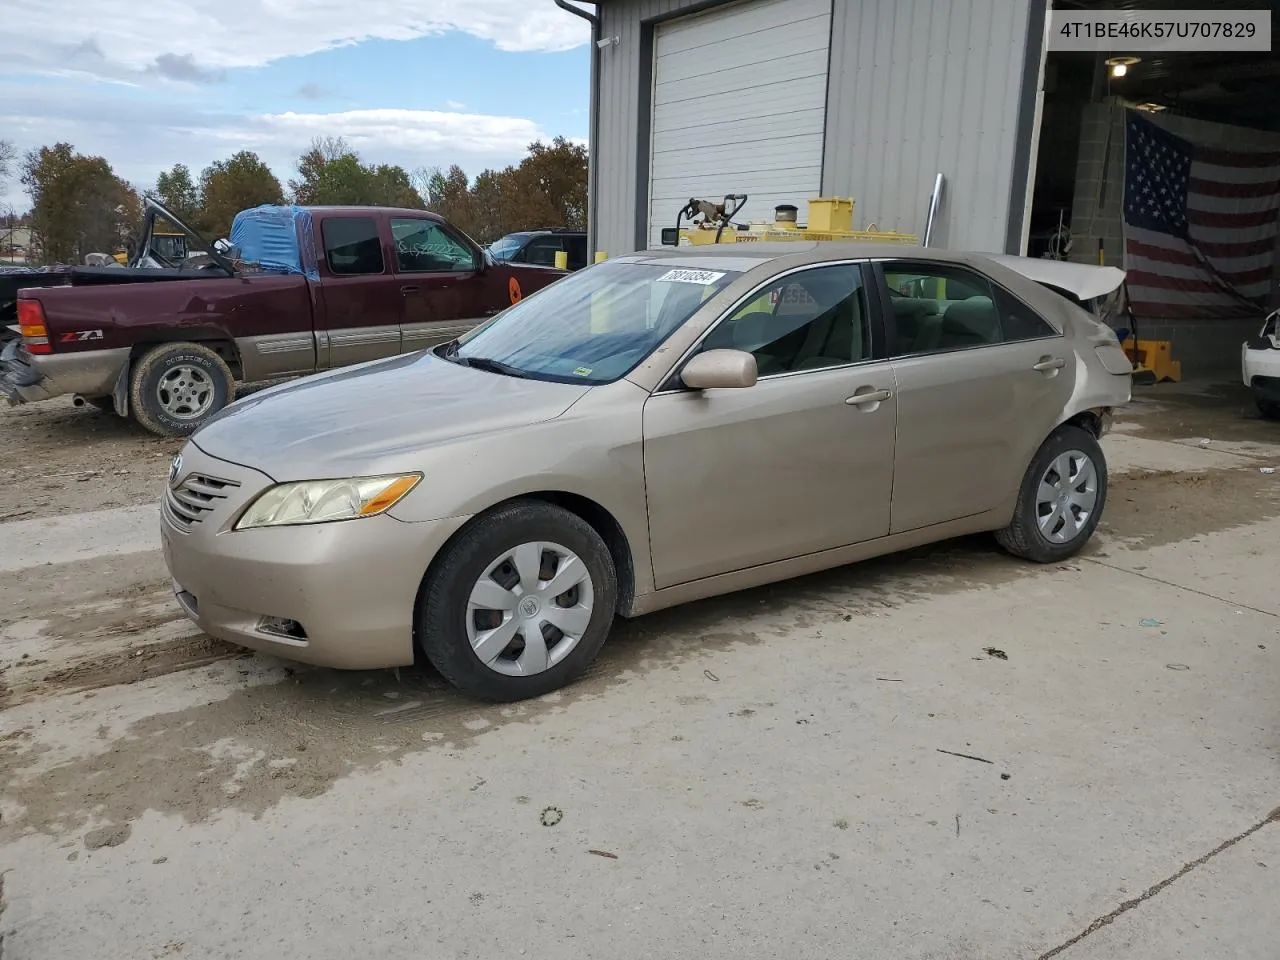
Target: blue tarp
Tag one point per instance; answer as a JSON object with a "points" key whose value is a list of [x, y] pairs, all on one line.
{"points": [[279, 239]]}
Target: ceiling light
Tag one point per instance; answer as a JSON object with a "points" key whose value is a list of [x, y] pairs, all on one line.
{"points": [[1120, 65]]}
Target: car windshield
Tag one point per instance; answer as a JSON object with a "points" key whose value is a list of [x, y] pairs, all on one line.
{"points": [[507, 246], [591, 327]]}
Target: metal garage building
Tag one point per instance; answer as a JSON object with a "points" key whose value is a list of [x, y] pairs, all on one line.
{"points": [[785, 100]]}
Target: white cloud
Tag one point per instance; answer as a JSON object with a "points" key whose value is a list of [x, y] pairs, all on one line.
{"points": [[194, 41], [141, 140]]}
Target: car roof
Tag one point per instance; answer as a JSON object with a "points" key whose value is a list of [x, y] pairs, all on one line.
{"points": [[1085, 280]]}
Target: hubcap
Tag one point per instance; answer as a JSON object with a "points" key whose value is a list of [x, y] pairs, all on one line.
{"points": [[1067, 497], [530, 609], [185, 392]]}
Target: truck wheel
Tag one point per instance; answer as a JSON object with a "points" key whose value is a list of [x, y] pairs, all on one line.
{"points": [[176, 387]]}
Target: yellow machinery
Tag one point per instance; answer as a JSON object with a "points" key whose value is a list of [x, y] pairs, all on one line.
{"points": [[830, 219], [169, 242]]}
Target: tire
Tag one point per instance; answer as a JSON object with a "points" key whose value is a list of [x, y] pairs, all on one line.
{"points": [[450, 628], [102, 404], [1025, 537], [1269, 409], [197, 381]]}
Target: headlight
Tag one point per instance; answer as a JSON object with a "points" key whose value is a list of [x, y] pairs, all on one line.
{"points": [[324, 501]]}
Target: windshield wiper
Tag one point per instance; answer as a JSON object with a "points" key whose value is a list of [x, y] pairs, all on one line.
{"points": [[492, 366]]}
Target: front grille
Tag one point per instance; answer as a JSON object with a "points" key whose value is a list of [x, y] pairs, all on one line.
{"points": [[196, 497]]}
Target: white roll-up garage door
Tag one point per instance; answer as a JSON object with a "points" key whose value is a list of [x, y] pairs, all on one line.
{"points": [[739, 106]]}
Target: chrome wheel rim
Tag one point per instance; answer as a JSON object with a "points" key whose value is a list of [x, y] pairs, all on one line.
{"points": [[1067, 496], [185, 392], [530, 609]]}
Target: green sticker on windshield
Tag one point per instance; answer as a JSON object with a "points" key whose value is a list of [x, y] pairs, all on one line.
{"points": [[582, 372]]}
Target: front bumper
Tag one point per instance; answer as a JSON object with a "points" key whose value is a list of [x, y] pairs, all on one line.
{"points": [[1260, 369], [26, 378], [351, 586]]}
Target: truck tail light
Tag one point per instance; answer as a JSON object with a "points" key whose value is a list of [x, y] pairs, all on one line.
{"points": [[35, 335]]}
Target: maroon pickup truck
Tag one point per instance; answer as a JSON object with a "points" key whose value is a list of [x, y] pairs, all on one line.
{"points": [[294, 290]]}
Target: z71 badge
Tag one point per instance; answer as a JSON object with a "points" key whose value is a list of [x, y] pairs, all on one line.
{"points": [[80, 336]]}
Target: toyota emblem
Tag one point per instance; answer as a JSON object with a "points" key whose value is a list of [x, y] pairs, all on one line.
{"points": [[175, 467]]}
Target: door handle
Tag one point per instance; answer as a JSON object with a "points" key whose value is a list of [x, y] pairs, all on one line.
{"points": [[1049, 363], [872, 396], [410, 288]]}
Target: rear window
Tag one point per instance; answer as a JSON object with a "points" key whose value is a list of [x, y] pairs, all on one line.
{"points": [[352, 246]]}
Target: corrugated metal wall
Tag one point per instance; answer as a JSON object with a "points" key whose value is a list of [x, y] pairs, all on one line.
{"points": [[624, 68], [919, 88]]}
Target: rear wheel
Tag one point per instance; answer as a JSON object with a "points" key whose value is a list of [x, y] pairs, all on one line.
{"points": [[176, 387], [1061, 498], [520, 604]]}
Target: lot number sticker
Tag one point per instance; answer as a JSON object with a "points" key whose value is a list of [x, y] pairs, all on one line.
{"points": [[703, 278]]}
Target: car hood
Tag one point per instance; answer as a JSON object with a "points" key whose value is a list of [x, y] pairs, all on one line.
{"points": [[375, 417], [1083, 280]]}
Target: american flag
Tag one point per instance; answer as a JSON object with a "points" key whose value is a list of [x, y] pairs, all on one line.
{"points": [[1200, 225]]}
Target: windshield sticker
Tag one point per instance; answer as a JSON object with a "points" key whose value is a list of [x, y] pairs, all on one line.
{"points": [[701, 277], [582, 372]]}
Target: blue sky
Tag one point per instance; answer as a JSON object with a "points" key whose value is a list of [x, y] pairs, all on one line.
{"points": [[422, 83]]}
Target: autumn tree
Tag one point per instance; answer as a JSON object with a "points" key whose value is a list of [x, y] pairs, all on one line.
{"points": [[554, 178], [448, 193], [330, 172], [179, 193], [8, 156], [229, 186], [78, 204]]}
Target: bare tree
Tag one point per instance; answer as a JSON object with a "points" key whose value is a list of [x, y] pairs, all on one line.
{"points": [[7, 157]]}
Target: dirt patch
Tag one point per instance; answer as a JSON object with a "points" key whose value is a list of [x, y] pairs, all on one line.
{"points": [[1216, 411], [1151, 509], [56, 458], [109, 836], [142, 663]]}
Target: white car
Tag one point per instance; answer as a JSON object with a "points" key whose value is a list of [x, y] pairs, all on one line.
{"points": [[1260, 367]]}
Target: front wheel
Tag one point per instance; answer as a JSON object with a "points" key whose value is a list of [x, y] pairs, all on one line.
{"points": [[519, 604], [1061, 498], [1269, 409], [176, 387]]}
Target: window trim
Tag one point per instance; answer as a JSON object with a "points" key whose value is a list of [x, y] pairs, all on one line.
{"points": [[443, 228], [382, 246], [875, 327], [890, 324]]}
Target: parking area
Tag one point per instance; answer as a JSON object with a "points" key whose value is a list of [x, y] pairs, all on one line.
{"points": [[947, 754]]}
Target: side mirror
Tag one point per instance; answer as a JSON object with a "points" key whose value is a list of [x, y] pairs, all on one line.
{"points": [[720, 370]]}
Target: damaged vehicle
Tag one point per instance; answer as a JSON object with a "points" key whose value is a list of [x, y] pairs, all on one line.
{"points": [[294, 291], [1260, 367], [655, 429]]}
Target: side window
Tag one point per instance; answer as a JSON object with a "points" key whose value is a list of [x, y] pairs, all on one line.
{"points": [[352, 245], [542, 251], [423, 246], [938, 308], [806, 321], [577, 247], [1020, 322]]}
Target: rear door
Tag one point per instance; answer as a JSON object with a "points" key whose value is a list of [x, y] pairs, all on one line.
{"points": [[357, 290], [982, 381], [440, 284]]}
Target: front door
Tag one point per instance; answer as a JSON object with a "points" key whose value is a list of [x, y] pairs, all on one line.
{"points": [[982, 381], [360, 301], [799, 463], [440, 282]]}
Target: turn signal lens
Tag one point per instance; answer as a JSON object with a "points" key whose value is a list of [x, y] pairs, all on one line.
{"points": [[35, 335]]}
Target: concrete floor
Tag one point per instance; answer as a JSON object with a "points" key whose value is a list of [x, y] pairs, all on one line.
{"points": [[763, 775]]}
